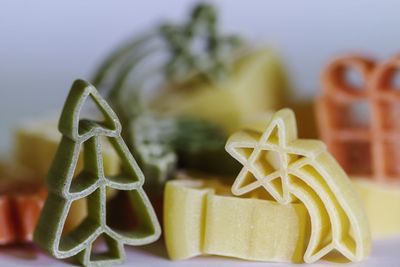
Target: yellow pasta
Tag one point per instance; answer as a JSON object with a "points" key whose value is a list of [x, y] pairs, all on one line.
{"points": [[36, 142], [294, 170], [201, 217], [255, 86], [382, 205]]}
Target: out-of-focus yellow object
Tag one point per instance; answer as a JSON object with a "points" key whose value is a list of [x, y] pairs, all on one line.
{"points": [[36, 143], [382, 205], [292, 170], [201, 218], [257, 84]]}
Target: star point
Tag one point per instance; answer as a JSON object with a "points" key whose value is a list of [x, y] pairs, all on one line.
{"points": [[263, 158]]}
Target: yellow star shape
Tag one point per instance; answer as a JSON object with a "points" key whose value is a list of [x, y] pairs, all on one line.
{"points": [[267, 157], [298, 170]]}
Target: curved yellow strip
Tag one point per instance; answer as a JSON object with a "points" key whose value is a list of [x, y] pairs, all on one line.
{"points": [[201, 217], [293, 170]]}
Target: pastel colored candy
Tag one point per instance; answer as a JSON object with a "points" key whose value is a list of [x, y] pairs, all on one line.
{"points": [[201, 217], [294, 170]]}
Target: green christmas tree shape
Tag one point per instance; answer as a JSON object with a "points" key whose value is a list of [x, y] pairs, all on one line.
{"points": [[91, 183]]}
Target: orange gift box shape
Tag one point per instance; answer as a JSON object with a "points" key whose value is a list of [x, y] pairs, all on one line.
{"points": [[19, 212], [361, 123]]}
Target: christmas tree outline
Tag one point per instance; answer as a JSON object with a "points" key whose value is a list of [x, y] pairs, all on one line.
{"points": [[91, 183]]}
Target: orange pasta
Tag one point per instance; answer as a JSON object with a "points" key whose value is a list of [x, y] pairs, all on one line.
{"points": [[360, 123], [20, 206]]}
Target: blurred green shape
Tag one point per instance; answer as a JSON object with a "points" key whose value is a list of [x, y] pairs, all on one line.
{"points": [[164, 143]]}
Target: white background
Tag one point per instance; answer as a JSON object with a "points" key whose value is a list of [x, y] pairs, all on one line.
{"points": [[45, 45]]}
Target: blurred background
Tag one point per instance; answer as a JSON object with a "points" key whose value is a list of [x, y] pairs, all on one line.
{"points": [[46, 45]]}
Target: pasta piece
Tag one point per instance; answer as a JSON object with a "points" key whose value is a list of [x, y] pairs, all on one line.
{"points": [[359, 122], [7, 232], [36, 144], [202, 217], [20, 204], [382, 205], [293, 170], [91, 183], [255, 86]]}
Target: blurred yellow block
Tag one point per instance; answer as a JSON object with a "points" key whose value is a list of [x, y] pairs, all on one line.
{"points": [[257, 84], [36, 143], [199, 221], [382, 205]]}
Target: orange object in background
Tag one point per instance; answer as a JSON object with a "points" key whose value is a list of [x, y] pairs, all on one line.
{"points": [[360, 123], [7, 233], [27, 210], [20, 208]]}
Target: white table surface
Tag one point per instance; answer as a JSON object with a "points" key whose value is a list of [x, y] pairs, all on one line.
{"points": [[385, 253]]}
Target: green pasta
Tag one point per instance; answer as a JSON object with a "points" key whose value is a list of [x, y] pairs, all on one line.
{"points": [[208, 63], [91, 183], [161, 144]]}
